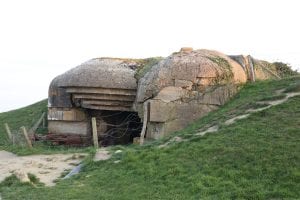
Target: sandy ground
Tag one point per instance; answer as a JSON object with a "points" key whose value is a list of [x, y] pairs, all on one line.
{"points": [[45, 167]]}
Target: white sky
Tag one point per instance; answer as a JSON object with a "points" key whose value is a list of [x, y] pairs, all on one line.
{"points": [[42, 39]]}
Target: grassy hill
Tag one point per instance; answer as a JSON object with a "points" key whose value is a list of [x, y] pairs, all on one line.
{"points": [[254, 158], [26, 116]]}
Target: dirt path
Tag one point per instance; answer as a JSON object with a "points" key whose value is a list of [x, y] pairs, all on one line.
{"points": [[45, 167], [248, 112], [232, 120]]}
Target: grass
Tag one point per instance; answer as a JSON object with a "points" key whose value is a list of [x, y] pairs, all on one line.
{"points": [[284, 69], [273, 97], [255, 158], [27, 117], [295, 87], [146, 65]]}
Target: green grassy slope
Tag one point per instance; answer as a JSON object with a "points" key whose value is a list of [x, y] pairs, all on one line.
{"points": [[26, 116], [255, 158]]}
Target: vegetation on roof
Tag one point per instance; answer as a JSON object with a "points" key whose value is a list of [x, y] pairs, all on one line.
{"points": [[275, 69], [145, 65], [224, 66], [284, 69]]}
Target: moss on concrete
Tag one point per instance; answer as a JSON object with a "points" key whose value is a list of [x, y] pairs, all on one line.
{"points": [[145, 65], [225, 67]]}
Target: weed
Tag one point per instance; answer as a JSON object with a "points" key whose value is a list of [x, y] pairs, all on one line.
{"points": [[225, 67], [295, 87], [273, 97], [284, 69], [145, 66]]}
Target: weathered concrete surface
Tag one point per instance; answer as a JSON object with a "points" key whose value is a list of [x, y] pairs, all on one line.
{"points": [[168, 117], [68, 127], [98, 84], [59, 114], [170, 93], [99, 76], [100, 72], [197, 69], [176, 90], [186, 86], [262, 70]]}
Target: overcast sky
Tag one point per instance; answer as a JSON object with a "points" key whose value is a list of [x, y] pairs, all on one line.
{"points": [[42, 39]]}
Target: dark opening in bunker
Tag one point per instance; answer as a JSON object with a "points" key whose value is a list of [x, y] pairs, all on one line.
{"points": [[116, 127]]}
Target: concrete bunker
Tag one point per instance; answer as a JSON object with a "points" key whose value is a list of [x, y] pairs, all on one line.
{"points": [[145, 97], [100, 88]]}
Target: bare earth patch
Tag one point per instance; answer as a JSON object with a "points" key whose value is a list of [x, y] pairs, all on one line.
{"points": [[45, 167], [209, 130], [172, 140], [102, 154]]}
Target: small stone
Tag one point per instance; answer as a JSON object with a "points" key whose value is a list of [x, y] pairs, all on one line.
{"points": [[49, 159], [44, 172], [176, 139], [102, 154], [22, 176], [118, 151]]}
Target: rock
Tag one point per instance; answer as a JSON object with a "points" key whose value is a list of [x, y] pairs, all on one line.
{"points": [[176, 139], [118, 151], [102, 154], [22, 176]]}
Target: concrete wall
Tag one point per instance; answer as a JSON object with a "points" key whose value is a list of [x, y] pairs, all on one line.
{"points": [[68, 121], [68, 127]]}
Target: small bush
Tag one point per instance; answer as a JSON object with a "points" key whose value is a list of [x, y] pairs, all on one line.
{"points": [[293, 88], [284, 69], [273, 97]]}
